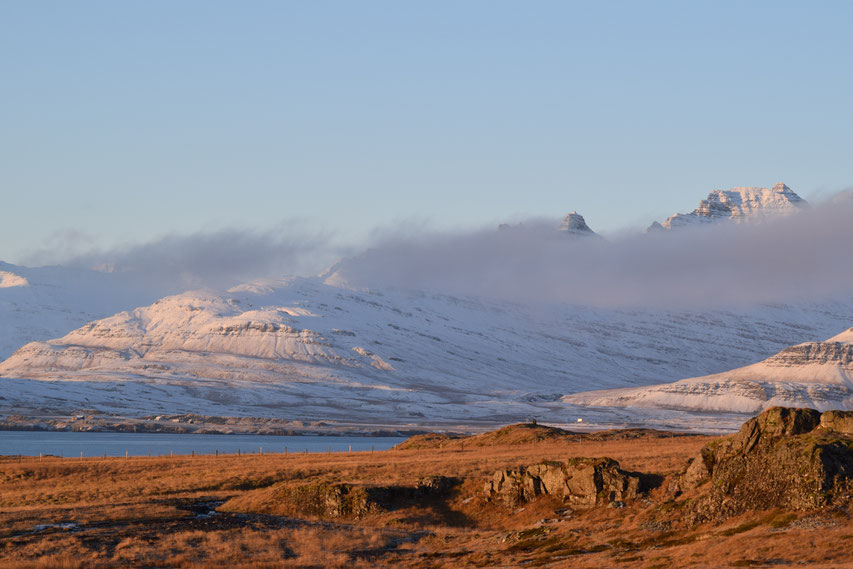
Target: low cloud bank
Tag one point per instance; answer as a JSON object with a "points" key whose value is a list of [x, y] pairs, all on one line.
{"points": [[804, 256], [217, 259]]}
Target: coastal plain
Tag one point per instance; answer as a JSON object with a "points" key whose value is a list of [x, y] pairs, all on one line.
{"points": [[227, 510]]}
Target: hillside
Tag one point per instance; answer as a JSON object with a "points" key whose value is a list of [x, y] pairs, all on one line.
{"points": [[527, 434], [811, 374], [302, 349]]}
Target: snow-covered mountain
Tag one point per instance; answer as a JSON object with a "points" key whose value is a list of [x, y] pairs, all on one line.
{"points": [[324, 349], [47, 302], [301, 348], [812, 374], [737, 205]]}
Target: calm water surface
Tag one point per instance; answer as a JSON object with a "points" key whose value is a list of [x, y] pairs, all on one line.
{"points": [[33, 443]]}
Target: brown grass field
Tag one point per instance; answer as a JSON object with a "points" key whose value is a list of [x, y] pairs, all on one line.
{"points": [[156, 512]]}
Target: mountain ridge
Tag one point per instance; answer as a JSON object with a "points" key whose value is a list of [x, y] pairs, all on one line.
{"points": [[809, 374], [738, 205], [301, 348]]}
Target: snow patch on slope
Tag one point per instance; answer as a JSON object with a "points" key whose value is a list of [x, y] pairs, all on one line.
{"points": [[8, 280]]}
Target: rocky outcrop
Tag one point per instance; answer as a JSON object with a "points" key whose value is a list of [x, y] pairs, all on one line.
{"points": [[580, 482], [819, 353], [840, 422], [784, 458], [339, 501]]}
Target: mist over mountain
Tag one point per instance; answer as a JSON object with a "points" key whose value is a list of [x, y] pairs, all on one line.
{"points": [[738, 205], [46, 302], [785, 257], [491, 324], [215, 259]]}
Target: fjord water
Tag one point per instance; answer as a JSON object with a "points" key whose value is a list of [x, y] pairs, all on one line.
{"points": [[71, 444]]}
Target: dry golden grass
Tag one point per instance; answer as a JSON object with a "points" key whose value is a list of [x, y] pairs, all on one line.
{"points": [[136, 513]]}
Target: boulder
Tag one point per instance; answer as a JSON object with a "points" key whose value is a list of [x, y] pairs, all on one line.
{"points": [[581, 482], [329, 500], [837, 421]]}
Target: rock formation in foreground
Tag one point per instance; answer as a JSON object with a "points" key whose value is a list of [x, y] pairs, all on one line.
{"points": [[579, 482], [788, 460], [793, 459], [326, 500]]}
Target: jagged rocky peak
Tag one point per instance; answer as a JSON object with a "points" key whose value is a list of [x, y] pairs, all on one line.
{"points": [[737, 205], [575, 224]]}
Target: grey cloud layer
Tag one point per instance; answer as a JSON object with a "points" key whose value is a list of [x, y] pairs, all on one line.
{"points": [[217, 259], [803, 256]]}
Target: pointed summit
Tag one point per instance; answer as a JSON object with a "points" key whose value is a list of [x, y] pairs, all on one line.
{"points": [[575, 224], [739, 205]]}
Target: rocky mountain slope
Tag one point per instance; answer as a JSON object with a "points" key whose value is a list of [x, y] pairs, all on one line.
{"points": [[811, 374], [303, 349], [738, 205]]}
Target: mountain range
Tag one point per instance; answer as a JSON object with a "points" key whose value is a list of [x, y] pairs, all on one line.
{"points": [[317, 349], [738, 205]]}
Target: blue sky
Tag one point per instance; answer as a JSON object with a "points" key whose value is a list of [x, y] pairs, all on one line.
{"points": [[124, 121]]}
